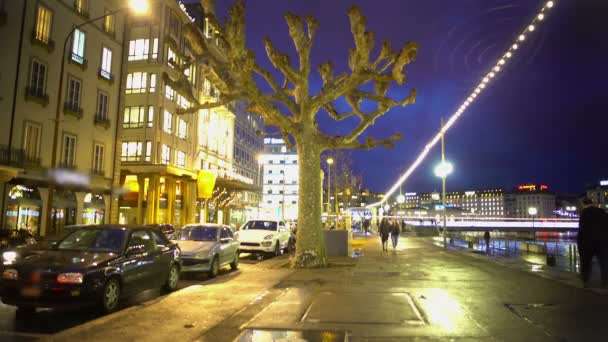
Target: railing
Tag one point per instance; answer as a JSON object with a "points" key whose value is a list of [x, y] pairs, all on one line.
{"points": [[37, 95], [102, 120], [11, 157]]}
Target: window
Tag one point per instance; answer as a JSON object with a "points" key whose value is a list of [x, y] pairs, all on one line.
{"points": [[102, 106], [150, 116], [139, 49], [108, 22], [73, 100], [68, 158], [98, 159], [181, 158], [37, 79], [182, 102], [171, 57], [168, 122], [182, 128], [165, 155], [131, 151], [152, 83], [141, 242], [148, 151], [169, 93], [155, 48], [106, 63], [43, 24], [78, 42], [31, 141], [136, 82], [134, 117], [80, 6]]}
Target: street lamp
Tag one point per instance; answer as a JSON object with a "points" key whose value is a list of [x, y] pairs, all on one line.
{"points": [[532, 211], [139, 7], [260, 181], [330, 162], [400, 199]]}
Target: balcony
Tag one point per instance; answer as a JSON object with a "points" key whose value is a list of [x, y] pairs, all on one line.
{"points": [[36, 95], [11, 157], [106, 76], [44, 42], [72, 109], [102, 120], [78, 60]]}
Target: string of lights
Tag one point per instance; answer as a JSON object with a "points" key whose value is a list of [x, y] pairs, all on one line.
{"points": [[487, 78]]}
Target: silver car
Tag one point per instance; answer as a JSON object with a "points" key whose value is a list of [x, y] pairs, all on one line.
{"points": [[207, 248]]}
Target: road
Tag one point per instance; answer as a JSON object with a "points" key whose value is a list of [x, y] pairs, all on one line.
{"points": [[46, 322]]}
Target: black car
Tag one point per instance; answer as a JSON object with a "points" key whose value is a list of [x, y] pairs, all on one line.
{"points": [[95, 265]]}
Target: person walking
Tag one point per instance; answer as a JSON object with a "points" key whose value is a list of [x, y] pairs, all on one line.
{"points": [[395, 230], [592, 240], [384, 232], [486, 236], [366, 226]]}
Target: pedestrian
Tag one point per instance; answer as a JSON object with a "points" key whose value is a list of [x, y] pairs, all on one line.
{"points": [[592, 241], [486, 236], [384, 232], [366, 226], [395, 230]]}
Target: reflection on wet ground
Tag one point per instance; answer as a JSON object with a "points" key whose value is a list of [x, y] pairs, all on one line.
{"points": [[255, 335]]}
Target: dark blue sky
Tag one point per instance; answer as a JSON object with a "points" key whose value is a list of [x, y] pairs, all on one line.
{"points": [[542, 120]]}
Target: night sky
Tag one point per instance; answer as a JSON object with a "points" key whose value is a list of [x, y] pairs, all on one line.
{"points": [[541, 121]]}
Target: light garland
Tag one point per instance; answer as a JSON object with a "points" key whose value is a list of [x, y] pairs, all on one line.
{"points": [[486, 79]]}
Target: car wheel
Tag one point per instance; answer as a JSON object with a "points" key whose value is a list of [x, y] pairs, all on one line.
{"points": [[172, 279], [235, 264], [24, 313], [111, 295], [277, 249], [215, 268]]}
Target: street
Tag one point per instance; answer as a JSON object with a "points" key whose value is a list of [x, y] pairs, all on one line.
{"points": [[46, 322]]}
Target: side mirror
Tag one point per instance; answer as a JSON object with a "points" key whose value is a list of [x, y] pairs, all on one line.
{"points": [[225, 240]]}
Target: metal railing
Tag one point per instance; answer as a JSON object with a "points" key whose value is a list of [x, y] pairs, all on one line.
{"points": [[11, 157]]}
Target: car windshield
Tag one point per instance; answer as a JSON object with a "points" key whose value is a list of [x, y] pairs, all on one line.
{"points": [[261, 225], [197, 233], [95, 240]]}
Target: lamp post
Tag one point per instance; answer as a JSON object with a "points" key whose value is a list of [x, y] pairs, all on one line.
{"points": [[442, 171], [260, 181], [139, 7], [532, 211]]}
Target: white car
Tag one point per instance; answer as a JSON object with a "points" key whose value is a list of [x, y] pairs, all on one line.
{"points": [[263, 236]]}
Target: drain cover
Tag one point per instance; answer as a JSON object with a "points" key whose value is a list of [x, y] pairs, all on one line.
{"points": [[256, 335]]}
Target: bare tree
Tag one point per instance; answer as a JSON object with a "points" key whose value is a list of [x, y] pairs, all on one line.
{"points": [[235, 75]]}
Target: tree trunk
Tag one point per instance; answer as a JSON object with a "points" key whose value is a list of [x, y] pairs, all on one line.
{"points": [[310, 245]]}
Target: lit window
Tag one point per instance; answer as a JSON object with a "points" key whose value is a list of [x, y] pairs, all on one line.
{"points": [[108, 23], [80, 6], [168, 122], [165, 155], [131, 151], [106, 63], [139, 49], [43, 24], [182, 129], [171, 58], [31, 141], [134, 117], [78, 43], [148, 150], [169, 93], [155, 48], [182, 102], [181, 159], [150, 116], [152, 83], [136, 83]]}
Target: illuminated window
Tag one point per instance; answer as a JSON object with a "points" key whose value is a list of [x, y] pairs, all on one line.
{"points": [[81, 6], [169, 93], [152, 83], [44, 19], [181, 158], [106, 63], [148, 150], [168, 122], [139, 49], [150, 116], [182, 102], [134, 117], [165, 155], [136, 83], [182, 129], [131, 151], [78, 43], [108, 22], [171, 57], [155, 48]]}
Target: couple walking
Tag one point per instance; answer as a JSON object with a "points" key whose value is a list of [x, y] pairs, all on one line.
{"points": [[389, 227]]}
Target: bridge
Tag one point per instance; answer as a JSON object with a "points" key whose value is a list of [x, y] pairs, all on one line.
{"points": [[479, 223]]}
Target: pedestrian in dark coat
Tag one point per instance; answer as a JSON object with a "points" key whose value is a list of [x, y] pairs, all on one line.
{"points": [[592, 240], [395, 230], [384, 232], [486, 236]]}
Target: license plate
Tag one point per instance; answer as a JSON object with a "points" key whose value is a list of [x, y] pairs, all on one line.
{"points": [[30, 291]]}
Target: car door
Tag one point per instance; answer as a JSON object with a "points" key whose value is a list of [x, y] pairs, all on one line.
{"points": [[163, 254], [138, 268], [227, 246]]}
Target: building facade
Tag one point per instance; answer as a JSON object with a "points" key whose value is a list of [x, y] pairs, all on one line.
{"points": [[599, 194], [87, 100], [524, 197], [280, 180], [480, 203], [163, 152]]}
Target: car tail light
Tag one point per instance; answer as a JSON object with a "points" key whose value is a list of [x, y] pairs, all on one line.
{"points": [[10, 274], [69, 278]]}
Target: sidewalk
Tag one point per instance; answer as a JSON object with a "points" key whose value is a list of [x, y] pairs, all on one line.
{"points": [[422, 292]]}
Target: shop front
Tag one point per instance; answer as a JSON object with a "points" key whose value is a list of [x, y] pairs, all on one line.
{"points": [[94, 211]]}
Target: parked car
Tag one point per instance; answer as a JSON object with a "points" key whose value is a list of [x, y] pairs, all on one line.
{"points": [[263, 236], [207, 248], [166, 229], [95, 265]]}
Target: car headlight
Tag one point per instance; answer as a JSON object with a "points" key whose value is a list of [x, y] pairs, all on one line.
{"points": [[268, 237], [10, 274], [9, 257], [70, 278], [202, 255]]}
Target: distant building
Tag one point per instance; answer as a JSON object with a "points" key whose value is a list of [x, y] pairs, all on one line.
{"points": [[524, 197], [599, 194], [280, 180], [484, 203]]}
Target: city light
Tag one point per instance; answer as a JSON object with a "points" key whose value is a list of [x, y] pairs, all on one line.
{"points": [[443, 169], [400, 199], [330, 161], [140, 7], [532, 211], [493, 69]]}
